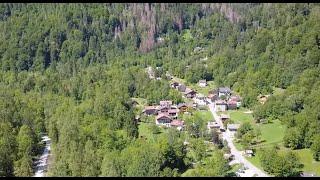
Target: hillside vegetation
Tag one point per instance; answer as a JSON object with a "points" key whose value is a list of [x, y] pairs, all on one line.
{"points": [[71, 70]]}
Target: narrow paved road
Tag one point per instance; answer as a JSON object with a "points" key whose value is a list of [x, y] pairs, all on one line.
{"points": [[227, 135], [42, 163]]}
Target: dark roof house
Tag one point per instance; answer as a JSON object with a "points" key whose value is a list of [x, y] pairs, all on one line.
{"points": [[182, 88], [224, 90]]}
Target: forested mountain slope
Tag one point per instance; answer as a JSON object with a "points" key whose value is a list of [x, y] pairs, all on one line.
{"points": [[71, 70]]}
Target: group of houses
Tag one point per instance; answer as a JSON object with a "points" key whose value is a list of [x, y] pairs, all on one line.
{"points": [[223, 117], [187, 92], [166, 114], [224, 100]]}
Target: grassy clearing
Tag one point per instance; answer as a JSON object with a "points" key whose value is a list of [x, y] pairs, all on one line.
{"points": [[305, 156], [310, 165], [206, 115], [203, 90], [238, 116], [255, 160], [144, 130], [272, 133]]}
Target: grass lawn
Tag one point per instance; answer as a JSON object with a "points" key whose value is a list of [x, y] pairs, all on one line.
{"points": [[206, 115], [310, 165], [203, 90], [271, 134], [255, 160], [305, 157], [145, 131], [238, 116]]}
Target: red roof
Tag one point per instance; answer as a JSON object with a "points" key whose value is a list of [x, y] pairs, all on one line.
{"points": [[162, 115], [177, 123], [235, 98], [232, 102]]}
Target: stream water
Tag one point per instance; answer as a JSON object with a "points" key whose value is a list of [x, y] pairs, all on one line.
{"points": [[42, 162]]}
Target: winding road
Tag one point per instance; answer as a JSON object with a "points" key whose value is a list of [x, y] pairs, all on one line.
{"points": [[228, 136]]}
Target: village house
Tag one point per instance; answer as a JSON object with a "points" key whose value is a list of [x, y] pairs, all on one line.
{"points": [[220, 105], [173, 113], [232, 105], [189, 93], [224, 117], [200, 99], [182, 88], [233, 127], [248, 152], [202, 83], [212, 124], [165, 103], [237, 99], [213, 95], [183, 107], [164, 109], [178, 124], [150, 110], [174, 85], [263, 98], [224, 91], [163, 119]]}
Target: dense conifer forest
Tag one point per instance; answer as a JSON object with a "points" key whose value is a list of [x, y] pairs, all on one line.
{"points": [[71, 71]]}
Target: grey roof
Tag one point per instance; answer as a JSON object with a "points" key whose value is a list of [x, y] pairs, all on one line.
{"points": [[182, 104], [182, 86], [202, 81], [188, 90], [233, 126], [224, 90]]}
